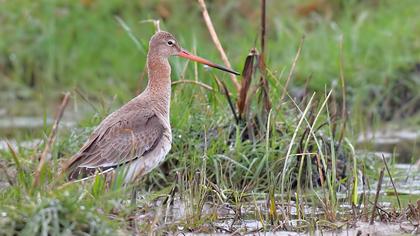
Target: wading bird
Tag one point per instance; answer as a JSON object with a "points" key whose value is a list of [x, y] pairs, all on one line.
{"points": [[136, 137]]}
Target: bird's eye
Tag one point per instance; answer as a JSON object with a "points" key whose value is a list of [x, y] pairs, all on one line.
{"points": [[171, 42]]}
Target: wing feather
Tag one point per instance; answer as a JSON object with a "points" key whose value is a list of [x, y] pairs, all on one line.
{"points": [[117, 144]]}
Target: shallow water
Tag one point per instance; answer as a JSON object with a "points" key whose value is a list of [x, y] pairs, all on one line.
{"points": [[359, 228], [403, 142], [229, 222], [24, 118], [29, 144]]}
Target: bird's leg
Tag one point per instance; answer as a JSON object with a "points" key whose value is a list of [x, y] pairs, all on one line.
{"points": [[170, 198], [134, 195]]}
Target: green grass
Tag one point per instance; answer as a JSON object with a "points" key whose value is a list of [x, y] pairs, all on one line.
{"points": [[48, 47]]}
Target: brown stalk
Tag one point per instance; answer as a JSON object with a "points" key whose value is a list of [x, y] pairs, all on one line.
{"points": [[378, 190], [216, 41], [263, 23], [261, 64], [51, 139], [289, 77]]}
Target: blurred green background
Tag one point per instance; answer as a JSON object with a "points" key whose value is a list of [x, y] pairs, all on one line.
{"points": [[49, 46]]}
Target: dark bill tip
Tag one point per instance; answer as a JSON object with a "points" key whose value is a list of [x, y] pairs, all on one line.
{"points": [[201, 60]]}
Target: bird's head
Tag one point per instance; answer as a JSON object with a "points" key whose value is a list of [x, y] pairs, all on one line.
{"points": [[165, 45]]}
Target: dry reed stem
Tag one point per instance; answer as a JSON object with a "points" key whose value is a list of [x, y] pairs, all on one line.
{"points": [[265, 93], [216, 42], [263, 26], [51, 139], [289, 77]]}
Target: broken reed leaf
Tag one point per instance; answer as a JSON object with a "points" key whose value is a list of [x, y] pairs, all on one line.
{"points": [[247, 72]]}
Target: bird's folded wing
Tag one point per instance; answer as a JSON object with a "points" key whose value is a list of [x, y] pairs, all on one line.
{"points": [[120, 143]]}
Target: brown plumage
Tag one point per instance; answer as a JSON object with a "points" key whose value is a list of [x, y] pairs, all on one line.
{"points": [[137, 136]]}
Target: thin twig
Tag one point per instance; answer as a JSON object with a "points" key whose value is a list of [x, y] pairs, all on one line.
{"points": [[206, 86], [289, 77], [51, 139], [392, 181], [378, 190], [216, 41]]}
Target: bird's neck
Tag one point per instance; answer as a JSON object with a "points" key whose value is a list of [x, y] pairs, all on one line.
{"points": [[159, 86]]}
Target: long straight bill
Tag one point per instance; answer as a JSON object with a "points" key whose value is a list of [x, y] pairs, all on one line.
{"points": [[201, 60]]}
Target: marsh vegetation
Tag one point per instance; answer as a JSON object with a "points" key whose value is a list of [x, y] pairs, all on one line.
{"points": [[319, 134]]}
